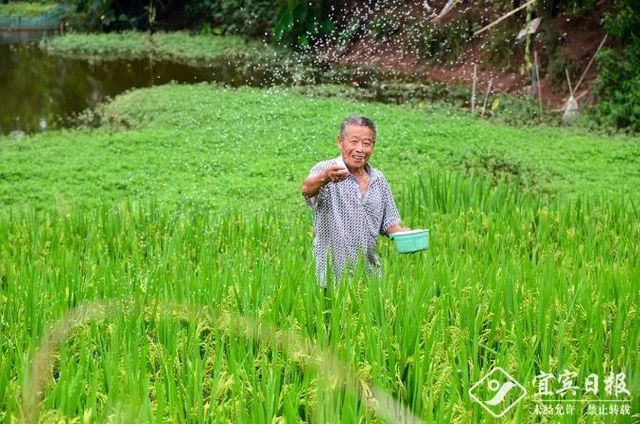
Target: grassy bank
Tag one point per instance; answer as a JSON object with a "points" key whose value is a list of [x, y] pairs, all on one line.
{"points": [[26, 9], [220, 148], [177, 46]]}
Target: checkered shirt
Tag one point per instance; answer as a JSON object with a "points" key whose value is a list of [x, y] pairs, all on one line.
{"points": [[346, 223]]}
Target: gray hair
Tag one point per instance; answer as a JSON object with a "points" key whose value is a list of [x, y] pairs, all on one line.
{"points": [[360, 121]]}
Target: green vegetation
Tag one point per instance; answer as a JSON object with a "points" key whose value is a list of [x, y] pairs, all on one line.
{"points": [[250, 60], [619, 78], [253, 18], [203, 143], [175, 214], [265, 66], [293, 23], [179, 46], [508, 281], [26, 9], [183, 208], [314, 26], [301, 23]]}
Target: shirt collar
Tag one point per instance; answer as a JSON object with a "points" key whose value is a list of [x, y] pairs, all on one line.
{"points": [[372, 172]]}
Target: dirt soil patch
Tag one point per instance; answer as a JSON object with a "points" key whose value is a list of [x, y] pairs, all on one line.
{"points": [[579, 39]]}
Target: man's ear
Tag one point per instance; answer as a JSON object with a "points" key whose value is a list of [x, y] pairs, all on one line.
{"points": [[339, 141]]}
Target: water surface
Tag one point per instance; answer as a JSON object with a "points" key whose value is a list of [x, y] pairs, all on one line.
{"points": [[39, 91]]}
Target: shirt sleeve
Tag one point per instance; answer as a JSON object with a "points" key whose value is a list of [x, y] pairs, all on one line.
{"points": [[320, 198], [390, 214]]}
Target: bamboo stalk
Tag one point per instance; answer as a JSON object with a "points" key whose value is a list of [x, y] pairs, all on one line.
{"points": [[473, 90], [566, 71], [604, 39], [486, 96], [535, 63], [445, 10], [503, 17]]}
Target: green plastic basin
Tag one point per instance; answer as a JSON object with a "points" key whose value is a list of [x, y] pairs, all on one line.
{"points": [[411, 241]]}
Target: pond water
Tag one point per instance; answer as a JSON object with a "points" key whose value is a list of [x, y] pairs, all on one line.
{"points": [[40, 91]]}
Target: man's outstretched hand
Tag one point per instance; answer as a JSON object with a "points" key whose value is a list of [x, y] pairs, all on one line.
{"points": [[336, 173], [312, 185]]}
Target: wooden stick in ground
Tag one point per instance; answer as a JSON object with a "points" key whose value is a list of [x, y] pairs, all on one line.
{"points": [[566, 71], [503, 17], [445, 10], [535, 63], [473, 89], [486, 96], [590, 62], [581, 95]]}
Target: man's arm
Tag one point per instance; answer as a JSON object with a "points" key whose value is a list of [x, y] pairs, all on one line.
{"points": [[391, 217], [312, 185]]}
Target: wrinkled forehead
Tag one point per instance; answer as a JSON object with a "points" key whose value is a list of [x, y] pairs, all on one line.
{"points": [[359, 132]]}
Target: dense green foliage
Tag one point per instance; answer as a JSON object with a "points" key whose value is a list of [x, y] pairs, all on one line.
{"points": [[619, 78], [294, 23], [110, 14], [300, 23], [253, 18]]}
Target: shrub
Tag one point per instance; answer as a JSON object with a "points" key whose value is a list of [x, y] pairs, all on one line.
{"points": [[618, 86], [300, 23], [253, 18], [444, 42]]}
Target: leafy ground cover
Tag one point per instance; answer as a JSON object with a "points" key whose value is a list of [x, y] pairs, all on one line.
{"points": [[221, 147]]}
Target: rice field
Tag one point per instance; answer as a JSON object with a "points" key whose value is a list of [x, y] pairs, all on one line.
{"points": [[508, 281], [140, 309]]}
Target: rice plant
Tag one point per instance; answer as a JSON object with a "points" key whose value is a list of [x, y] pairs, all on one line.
{"points": [[145, 312]]}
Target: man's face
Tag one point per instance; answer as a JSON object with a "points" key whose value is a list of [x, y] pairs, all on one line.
{"points": [[356, 146]]}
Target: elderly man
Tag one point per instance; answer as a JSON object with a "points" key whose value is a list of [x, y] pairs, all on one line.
{"points": [[351, 201]]}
